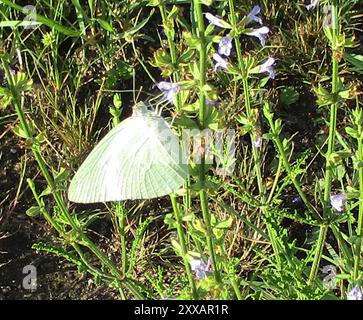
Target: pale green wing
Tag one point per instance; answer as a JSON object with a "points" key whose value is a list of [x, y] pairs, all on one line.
{"points": [[138, 159]]}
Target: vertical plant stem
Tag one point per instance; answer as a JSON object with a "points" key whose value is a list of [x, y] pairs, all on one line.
{"points": [[176, 210], [179, 226], [255, 152], [285, 161], [236, 288], [121, 216], [202, 106], [331, 144], [210, 242], [357, 256]]}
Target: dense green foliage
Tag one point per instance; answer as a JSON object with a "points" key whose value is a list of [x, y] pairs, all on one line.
{"points": [[278, 214]]}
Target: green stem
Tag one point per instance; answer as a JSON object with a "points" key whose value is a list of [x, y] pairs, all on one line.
{"points": [[173, 54], [179, 227], [202, 108], [202, 61], [286, 163], [121, 216], [331, 145], [357, 256], [318, 253], [236, 288], [210, 242], [255, 151], [276, 180], [176, 210]]}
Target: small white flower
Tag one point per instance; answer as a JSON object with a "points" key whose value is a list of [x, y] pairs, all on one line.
{"points": [[260, 33], [312, 5], [337, 201], [252, 16], [170, 90], [268, 66], [330, 281], [217, 21], [200, 268], [257, 141], [225, 46], [221, 63], [355, 294]]}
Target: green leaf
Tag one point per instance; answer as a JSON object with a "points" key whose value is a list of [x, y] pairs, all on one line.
{"points": [[170, 221], [33, 212], [154, 3], [289, 96], [226, 224], [173, 13], [61, 176], [356, 60], [117, 102], [192, 41], [188, 218], [186, 57], [47, 191], [20, 132], [60, 252], [213, 119], [352, 132], [105, 25], [177, 247], [324, 97], [206, 2], [137, 27]]}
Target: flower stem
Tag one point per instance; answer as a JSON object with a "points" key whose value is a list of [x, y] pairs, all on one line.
{"points": [[202, 106], [179, 227], [331, 145], [255, 152], [357, 256], [285, 161]]}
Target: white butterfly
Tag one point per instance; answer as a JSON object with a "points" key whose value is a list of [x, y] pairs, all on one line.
{"points": [[138, 159]]}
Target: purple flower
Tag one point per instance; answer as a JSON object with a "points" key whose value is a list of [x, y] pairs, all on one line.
{"points": [[337, 201], [355, 294], [201, 268], [268, 67], [221, 63], [252, 16], [260, 33], [217, 21], [312, 5], [170, 90], [225, 46]]}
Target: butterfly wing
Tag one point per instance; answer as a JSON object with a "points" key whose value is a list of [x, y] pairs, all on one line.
{"points": [[138, 159]]}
